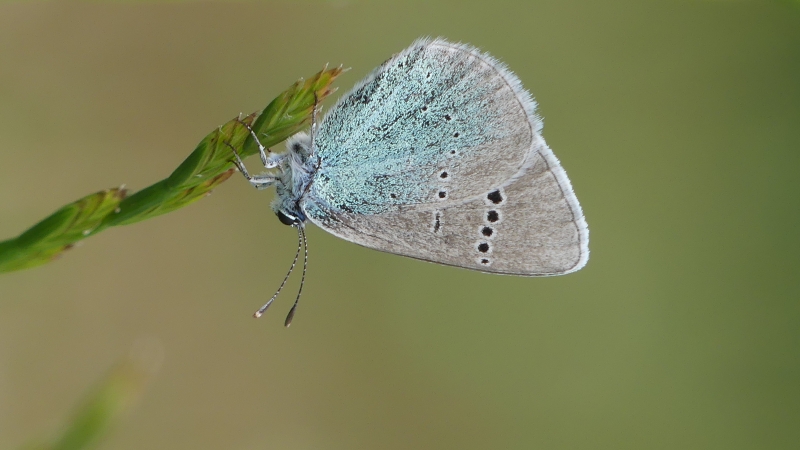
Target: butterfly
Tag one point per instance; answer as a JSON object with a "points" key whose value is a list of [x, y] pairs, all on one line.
{"points": [[436, 155]]}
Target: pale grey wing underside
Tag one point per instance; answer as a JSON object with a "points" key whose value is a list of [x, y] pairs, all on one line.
{"points": [[534, 227], [437, 156]]}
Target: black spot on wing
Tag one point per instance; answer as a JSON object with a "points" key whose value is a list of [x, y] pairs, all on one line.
{"points": [[495, 197]]}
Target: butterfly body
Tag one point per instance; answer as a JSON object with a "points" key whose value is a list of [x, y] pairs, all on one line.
{"points": [[437, 155]]}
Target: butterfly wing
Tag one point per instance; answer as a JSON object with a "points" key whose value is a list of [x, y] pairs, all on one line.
{"points": [[437, 155], [437, 123], [532, 226]]}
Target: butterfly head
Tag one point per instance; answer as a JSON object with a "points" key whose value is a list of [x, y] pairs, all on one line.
{"points": [[288, 218]]}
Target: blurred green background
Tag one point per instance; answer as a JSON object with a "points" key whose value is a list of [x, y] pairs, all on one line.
{"points": [[677, 121]]}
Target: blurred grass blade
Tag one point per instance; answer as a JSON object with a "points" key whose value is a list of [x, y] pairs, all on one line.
{"points": [[205, 168], [47, 239], [104, 405]]}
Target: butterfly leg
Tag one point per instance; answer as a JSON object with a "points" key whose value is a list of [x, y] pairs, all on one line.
{"points": [[262, 151], [313, 123], [258, 181]]}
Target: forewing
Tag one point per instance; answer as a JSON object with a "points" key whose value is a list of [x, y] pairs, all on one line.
{"points": [[532, 226], [438, 123]]}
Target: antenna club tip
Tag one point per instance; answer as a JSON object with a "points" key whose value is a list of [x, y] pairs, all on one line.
{"points": [[290, 317], [257, 314]]}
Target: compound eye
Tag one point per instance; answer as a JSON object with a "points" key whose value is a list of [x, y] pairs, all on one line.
{"points": [[286, 220]]}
